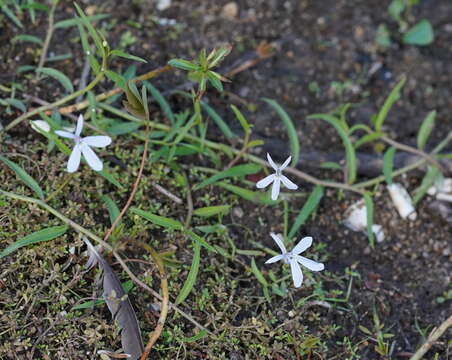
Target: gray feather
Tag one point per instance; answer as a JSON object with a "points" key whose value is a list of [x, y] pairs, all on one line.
{"points": [[119, 305]]}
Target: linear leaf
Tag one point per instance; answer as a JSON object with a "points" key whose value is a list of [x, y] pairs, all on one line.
{"points": [[26, 38], [194, 338], [157, 95], [349, 149], [393, 96], [113, 210], [59, 76], [308, 208], [426, 128], [259, 276], [429, 179], [368, 138], [36, 237], [370, 218], [388, 164], [200, 240], [291, 131], [158, 220], [192, 275], [75, 21], [253, 196], [211, 210], [239, 170], [126, 55], [86, 21], [22, 174]]}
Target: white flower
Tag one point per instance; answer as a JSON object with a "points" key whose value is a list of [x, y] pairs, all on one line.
{"points": [[83, 146], [276, 178], [294, 259]]}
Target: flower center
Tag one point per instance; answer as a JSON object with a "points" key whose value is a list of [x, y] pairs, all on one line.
{"points": [[278, 172], [77, 139]]}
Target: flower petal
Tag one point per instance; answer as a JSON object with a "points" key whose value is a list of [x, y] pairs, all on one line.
{"points": [[279, 241], [274, 259], [91, 158], [74, 160], [275, 188], [310, 264], [271, 162], [65, 134], [288, 184], [97, 141], [78, 129], [297, 274], [265, 181], [283, 166], [302, 245]]}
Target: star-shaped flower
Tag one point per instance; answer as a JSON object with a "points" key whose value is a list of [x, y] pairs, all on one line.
{"points": [[83, 146], [294, 259], [276, 178]]}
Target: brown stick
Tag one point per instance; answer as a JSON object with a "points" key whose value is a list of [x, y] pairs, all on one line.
{"points": [[153, 336], [434, 335]]}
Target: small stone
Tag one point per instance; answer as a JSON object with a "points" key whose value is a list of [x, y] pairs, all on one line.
{"points": [[238, 211], [163, 4], [230, 10]]}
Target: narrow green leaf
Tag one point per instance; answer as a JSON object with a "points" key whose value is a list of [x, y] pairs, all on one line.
{"points": [[59, 76], [16, 103], [123, 127], [26, 38], [200, 241], [259, 276], [350, 155], [370, 218], [192, 275], [22, 174], [11, 15], [388, 164], [194, 338], [429, 179], [36, 237], [158, 220], [308, 208], [239, 170], [182, 64], [255, 197], [86, 21], [243, 122], [420, 34], [394, 95], [368, 138], [218, 120], [109, 177], [291, 131], [118, 79], [112, 208], [215, 81], [157, 95], [426, 128], [211, 210], [330, 165], [126, 55], [75, 21]]}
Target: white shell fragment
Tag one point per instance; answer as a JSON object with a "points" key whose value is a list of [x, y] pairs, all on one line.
{"points": [[442, 190], [40, 126], [356, 220], [402, 201], [163, 4]]}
